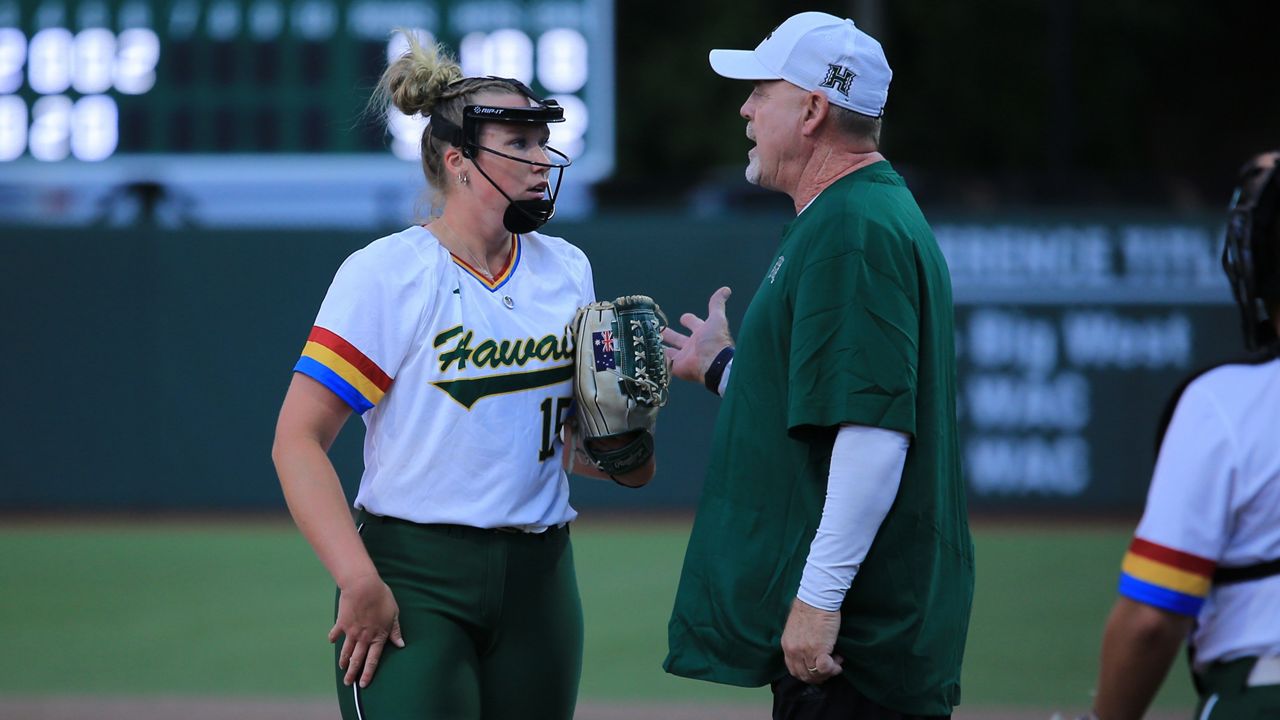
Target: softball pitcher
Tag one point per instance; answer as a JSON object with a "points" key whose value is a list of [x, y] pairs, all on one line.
{"points": [[456, 582]]}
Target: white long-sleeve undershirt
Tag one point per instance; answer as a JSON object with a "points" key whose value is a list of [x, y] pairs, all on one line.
{"points": [[724, 379], [866, 470]]}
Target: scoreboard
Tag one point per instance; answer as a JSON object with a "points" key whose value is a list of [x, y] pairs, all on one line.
{"points": [[165, 87]]}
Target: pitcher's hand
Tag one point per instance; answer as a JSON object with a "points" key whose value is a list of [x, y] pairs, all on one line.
{"points": [[368, 617]]}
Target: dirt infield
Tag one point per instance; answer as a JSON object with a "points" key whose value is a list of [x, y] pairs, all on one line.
{"points": [[88, 708]]}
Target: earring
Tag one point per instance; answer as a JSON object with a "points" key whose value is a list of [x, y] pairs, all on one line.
{"points": [[463, 179]]}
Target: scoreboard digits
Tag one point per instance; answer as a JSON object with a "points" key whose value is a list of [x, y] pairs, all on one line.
{"points": [[54, 64], [106, 81]]}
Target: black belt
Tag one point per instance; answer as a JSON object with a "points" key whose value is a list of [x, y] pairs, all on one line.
{"points": [[1245, 573], [366, 516]]}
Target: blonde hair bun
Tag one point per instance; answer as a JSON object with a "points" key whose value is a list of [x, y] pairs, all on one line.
{"points": [[416, 81]]}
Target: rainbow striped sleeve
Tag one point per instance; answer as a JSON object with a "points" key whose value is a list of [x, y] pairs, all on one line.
{"points": [[339, 366], [1165, 578]]}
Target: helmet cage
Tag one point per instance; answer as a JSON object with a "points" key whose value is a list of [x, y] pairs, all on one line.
{"points": [[521, 215], [1251, 214]]}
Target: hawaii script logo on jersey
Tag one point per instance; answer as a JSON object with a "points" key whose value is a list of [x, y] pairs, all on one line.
{"points": [[602, 342], [457, 352]]}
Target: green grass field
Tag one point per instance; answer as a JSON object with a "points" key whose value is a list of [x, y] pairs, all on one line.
{"points": [[241, 609]]}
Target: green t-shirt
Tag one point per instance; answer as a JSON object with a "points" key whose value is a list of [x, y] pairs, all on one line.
{"points": [[852, 323]]}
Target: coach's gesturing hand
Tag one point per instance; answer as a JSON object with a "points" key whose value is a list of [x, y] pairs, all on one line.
{"points": [[690, 355], [808, 642], [368, 617]]}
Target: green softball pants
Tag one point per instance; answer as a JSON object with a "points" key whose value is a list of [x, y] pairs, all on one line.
{"points": [[492, 624], [1225, 693]]}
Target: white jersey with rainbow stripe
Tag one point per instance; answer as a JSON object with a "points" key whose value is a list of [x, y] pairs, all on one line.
{"points": [[462, 382], [1214, 502]]}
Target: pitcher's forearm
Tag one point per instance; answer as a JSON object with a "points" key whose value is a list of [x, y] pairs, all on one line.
{"points": [[314, 495]]}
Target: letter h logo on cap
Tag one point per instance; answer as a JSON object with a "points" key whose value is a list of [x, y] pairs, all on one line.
{"points": [[814, 50], [838, 78]]}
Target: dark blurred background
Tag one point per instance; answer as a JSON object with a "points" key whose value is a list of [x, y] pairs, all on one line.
{"points": [[179, 179], [994, 104]]}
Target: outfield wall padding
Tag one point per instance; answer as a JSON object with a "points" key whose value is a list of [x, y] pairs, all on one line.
{"points": [[144, 367]]}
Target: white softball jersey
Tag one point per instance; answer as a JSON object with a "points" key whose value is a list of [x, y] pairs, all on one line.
{"points": [[1214, 503], [462, 382]]}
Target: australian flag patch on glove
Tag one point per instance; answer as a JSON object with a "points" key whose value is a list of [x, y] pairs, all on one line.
{"points": [[603, 344]]}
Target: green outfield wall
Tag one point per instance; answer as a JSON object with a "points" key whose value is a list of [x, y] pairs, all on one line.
{"points": [[143, 368]]}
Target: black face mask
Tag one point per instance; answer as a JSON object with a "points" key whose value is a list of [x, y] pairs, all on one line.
{"points": [[521, 216], [524, 216]]}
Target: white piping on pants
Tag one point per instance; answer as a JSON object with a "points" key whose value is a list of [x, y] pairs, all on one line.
{"points": [[1208, 706], [355, 686]]}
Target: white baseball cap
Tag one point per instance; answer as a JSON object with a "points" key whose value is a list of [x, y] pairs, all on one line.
{"points": [[817, 51]]}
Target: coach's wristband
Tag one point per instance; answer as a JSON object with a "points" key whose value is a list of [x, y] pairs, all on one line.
{"points": [[712, 378]]}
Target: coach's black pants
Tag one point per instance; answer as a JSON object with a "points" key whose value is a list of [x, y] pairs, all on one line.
{"points": [[836, 699]]}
